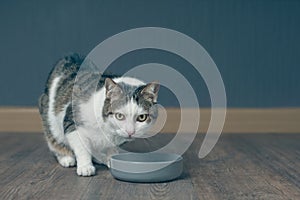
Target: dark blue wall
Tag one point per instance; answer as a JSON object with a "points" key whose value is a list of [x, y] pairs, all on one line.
{"points": [[255, 44]]}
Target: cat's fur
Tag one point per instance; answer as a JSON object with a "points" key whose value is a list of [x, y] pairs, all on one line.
{"points": [[98, 107]]}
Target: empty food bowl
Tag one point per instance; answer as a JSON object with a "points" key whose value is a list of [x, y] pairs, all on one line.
{"points": [[146, 167]]}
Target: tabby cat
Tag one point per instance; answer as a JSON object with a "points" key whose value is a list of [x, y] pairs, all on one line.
{"points": [[95, 116]]}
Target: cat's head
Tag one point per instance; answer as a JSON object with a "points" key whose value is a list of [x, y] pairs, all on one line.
{"points": [[128, 109]]}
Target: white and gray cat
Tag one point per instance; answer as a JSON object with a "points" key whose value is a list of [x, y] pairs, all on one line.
{"points": [[118, 110]]}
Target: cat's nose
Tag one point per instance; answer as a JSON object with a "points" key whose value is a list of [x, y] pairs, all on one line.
{"points": [[130, 132]]}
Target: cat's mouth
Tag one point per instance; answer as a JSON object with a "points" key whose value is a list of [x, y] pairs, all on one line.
{"points": [[129, 138], [126, 136]]}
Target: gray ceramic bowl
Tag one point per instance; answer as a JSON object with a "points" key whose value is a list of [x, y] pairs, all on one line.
{"points": [[146, 167]]}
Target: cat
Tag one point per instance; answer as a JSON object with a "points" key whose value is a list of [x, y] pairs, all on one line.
{"points": [[95, 120]]}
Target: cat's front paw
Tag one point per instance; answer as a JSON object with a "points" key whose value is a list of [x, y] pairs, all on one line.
{"points": [[86, 170], [66, 161]]}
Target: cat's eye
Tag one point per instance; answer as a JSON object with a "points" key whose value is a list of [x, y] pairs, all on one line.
{"points": [[142, 118], [119, 116]]}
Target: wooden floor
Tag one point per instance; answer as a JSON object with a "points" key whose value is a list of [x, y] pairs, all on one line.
{"points": [[241, 166]]}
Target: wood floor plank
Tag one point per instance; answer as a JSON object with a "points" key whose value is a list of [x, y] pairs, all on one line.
{"points": [[284, 165], [232, 172], [241, 166], [14, 149]]}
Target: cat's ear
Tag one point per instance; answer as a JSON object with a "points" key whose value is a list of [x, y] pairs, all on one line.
{"points": [[150, 91], [113, 90]]}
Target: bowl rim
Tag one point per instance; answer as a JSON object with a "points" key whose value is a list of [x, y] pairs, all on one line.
{"points": [[179, 158]]}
